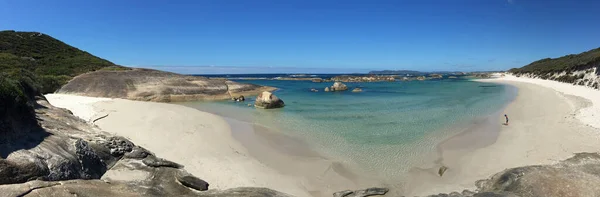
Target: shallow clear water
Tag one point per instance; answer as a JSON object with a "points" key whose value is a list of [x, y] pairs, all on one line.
{"points": [[384, 130]]}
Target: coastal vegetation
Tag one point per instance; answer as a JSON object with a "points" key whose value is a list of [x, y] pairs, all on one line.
{"points": [[567, 63], [577, 69], [46, 62]]}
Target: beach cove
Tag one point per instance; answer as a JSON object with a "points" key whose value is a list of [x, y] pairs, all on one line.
{"points": [[213, 147]]}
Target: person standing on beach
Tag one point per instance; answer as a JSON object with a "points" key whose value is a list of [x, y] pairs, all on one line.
{"points": [[505, 116]]}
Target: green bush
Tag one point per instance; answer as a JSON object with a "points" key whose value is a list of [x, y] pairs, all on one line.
{"points": [[50, 62], [14, 98], [566, 63]]}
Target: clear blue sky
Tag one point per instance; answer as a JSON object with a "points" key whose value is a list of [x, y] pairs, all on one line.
{"points": [[347, 35]]}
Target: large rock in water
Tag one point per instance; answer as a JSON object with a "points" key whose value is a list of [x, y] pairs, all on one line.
{"points": [[154, 85], [338, 86], [268, 100]]}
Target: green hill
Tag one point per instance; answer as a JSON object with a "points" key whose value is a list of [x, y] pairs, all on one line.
{"points": [[567, 63], [45, 61]]}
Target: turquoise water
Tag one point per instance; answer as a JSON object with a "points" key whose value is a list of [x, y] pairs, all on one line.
{"points": [[384, 130]]}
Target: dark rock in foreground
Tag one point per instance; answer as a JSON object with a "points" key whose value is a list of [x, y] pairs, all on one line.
{"points": [[362, 193], [154, 85], [153, 161], [576, 176], [268, 100], [50, 152], [193, 182]]}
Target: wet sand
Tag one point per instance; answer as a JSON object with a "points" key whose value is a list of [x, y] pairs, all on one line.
{"points": [[319, 175], [543, 129], [224, 152]]}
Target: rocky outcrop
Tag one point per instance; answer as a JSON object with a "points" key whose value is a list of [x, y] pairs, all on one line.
{"points": [[338, 86], [576, 176], [327, 89], [98, 188], [375, 191], [436, 76], [370, 78], [159, 86], [357, 90], [479, 75], [268, 100], [50, 152]]}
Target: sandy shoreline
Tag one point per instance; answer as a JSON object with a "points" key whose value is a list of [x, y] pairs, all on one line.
{"points": [[224, 152], [549, 121], [545, 126]]}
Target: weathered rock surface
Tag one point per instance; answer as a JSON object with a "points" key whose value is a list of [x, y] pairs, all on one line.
{"points": [[576, 176], [268, 100], [153, 161], [338, 86], [50, 152], [159, 86], [375, 191], [193, 182], [99, 188]]}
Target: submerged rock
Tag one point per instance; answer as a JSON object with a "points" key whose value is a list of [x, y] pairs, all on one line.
{"points": [[357, 90], [314, 90], [268, 100], [239, 99]]}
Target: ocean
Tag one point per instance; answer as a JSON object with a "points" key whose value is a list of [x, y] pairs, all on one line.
{"points": [[384, 131]]}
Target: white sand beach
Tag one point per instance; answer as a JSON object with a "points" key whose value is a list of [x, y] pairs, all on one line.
{"points": [[549, 121], [204, 144]]}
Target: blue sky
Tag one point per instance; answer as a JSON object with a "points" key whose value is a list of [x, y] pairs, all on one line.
{"points": [[314, 36]]}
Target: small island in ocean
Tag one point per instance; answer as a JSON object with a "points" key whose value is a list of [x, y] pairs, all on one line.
{"points": [[306, 99]]}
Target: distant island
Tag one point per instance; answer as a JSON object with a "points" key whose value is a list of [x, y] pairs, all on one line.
{"points": [[397, 72]]}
